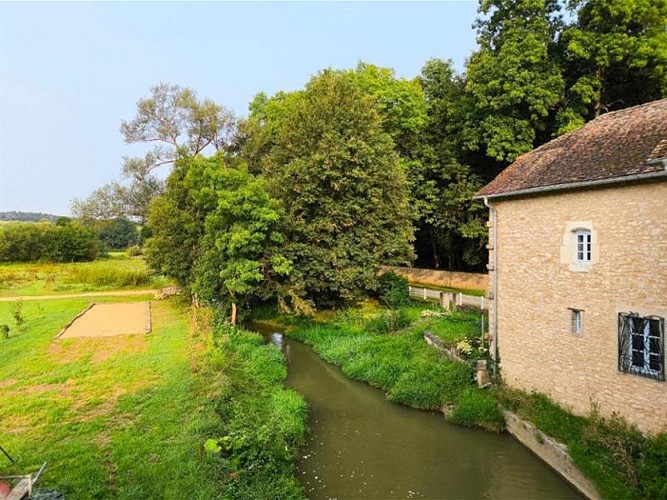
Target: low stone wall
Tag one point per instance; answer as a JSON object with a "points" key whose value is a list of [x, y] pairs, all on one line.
{"points": [[549, 451], [438, 344], [451, 279]]}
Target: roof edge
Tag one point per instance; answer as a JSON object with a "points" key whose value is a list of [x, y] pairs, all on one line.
{"points": [[578, 185]]}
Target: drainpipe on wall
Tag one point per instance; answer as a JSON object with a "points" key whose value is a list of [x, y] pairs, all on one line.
{"points": [[493, 213]]}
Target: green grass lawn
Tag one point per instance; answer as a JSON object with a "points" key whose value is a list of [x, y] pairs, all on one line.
{"points": [[118, 272], [118, 417]]}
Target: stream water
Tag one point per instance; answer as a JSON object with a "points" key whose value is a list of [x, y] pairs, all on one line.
{"points": [[362, 446]]}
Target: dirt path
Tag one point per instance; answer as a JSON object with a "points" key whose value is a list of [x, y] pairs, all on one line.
{"points": [[118, 293]]}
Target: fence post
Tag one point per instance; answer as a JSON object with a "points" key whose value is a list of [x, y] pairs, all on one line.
{"points": [[424, 293], [459, 299], [445, 301]]}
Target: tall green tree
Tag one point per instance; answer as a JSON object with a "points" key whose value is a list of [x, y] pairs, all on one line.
{"points": [[177, 124], [513, 81], [216, 231], [334, 168], [614, 56], [451, 230]]}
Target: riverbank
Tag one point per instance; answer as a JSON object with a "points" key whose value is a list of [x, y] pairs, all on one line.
{"points": [[616, 457], [263, 423], [386, 349]]}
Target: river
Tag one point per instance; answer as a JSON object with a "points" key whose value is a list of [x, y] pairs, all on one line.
{"points": [[363, 446]]}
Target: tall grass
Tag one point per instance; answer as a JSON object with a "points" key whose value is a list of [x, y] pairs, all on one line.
{"points": [[46, 279], [107, 275]]}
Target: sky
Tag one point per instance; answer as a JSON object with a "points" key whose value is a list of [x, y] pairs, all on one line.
{"points": [[71, 72]]}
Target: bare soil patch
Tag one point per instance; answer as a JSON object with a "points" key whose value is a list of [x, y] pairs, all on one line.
{"points": [[109, 320]]}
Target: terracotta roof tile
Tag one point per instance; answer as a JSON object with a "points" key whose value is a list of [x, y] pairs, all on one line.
{"points": [[616, 144]]}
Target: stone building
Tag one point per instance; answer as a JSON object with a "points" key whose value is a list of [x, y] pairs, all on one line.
{"points": [[578, 267]]}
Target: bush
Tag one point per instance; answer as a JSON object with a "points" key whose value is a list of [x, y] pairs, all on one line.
{"points": [[43, 241], [17, 313], [134, 251], [393, 290], [4, 331]]}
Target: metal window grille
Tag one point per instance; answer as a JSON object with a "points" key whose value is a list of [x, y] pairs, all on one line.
{"points": [[641, 345]]}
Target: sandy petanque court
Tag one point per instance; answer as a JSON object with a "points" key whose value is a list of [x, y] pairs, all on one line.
{"points": [[109, 320]]}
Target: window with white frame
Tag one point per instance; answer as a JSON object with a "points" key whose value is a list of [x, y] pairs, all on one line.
{"points": [[576, 321], [641, 345], [582, 246]]}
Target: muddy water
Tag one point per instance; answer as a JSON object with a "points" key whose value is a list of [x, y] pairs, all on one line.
{"points": [[362, 446]]}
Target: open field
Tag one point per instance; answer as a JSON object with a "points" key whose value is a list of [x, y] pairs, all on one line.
{"points": [[30, 279], [117, 417]]}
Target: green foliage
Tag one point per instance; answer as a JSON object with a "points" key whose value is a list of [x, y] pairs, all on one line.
{"points": [[4, 331], [263, 423], [513, 83], [326, 157], [614, 56], [216, 231], [47, 242], [393, 290], [117, 234]]}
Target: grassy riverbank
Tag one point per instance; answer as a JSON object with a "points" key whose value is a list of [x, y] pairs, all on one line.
{"points": [[364, 344], [117, 417], [621, 461], [263, 424]]}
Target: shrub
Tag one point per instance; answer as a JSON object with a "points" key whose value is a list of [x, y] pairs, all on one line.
{"points": [[4, 331], [387, 321], [43, 241], [134, 251], [17, 313], [393, 290]]}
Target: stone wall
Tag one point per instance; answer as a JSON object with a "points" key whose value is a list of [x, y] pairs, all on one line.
{"points": [[537, 286], [550, 451], [449, 279]]}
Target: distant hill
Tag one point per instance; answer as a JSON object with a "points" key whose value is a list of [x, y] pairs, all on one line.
{"points": [[28, 216]]}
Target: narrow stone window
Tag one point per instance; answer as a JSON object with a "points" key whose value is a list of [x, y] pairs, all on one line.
{"points": [[576, 321], [582, 246]]}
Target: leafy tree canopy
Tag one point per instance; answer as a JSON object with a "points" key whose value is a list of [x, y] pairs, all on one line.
{"points": [[334, 168], [216, 231]]}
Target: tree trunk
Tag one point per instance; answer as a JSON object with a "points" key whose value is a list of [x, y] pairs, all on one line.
{"points": [[233, 313]]}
